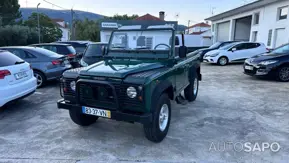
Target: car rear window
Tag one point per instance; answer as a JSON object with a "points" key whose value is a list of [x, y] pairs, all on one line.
{"points": [[8, 59], [47, 53], [71, 49], [94, 50]]}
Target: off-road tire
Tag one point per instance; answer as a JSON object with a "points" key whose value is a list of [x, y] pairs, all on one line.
{"points": [[190, 94], [220, 63], [279, 71], [152, 131], [81, 119]]}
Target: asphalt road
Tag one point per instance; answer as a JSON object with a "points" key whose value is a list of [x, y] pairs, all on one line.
{"points": [[231, 108]]}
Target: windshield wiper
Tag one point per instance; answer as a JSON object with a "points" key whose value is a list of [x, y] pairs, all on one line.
{"points": [[17, 63]]}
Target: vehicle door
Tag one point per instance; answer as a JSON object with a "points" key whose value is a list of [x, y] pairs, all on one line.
{"points": [[181, 70], [254, 49], [238, 52]]}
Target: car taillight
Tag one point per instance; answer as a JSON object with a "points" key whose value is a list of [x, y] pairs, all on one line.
{"points": [[56, 62], [4, 73], [71, 55]]}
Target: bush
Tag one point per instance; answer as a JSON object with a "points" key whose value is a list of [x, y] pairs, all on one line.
{"points": [[17, 35]]}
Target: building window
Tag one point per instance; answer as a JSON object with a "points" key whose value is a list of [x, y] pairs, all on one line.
{"points": [[282, 13], [256, 18], [254, 36], [269, 37]]}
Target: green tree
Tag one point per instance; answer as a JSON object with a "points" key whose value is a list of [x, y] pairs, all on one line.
{"points": [[9, 12], [49, 31], [122, 17], [87, 30], [17, 35]]}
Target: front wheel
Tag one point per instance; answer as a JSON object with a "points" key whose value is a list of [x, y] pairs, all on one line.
{"points": [[158, 129], [223, 61], [81, 119], [283, 74], [191, 92]]}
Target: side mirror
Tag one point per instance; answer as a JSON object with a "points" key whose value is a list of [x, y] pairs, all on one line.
{"points": [[183, 50], [233, 49]]}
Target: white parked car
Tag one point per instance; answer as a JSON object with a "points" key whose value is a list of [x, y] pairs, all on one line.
{"points": [[16, 78], [235, 52]]}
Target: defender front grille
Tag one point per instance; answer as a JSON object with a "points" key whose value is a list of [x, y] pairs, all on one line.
{"points": [[102, 96]]}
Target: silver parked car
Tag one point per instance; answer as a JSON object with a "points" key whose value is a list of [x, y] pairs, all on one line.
{"points": [[46, 64]]}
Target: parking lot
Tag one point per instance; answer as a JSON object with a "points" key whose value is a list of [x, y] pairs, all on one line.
{"points": [[231, 107]]}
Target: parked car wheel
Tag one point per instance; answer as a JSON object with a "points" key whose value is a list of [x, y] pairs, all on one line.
{"points": [[40, 78], [81, 119], [158, 129], [283, 74], [191, 92], [223, 61]]}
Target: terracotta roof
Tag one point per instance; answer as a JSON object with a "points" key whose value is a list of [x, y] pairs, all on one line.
{"points": [[197, 33], [148, 17], [200, 25]]}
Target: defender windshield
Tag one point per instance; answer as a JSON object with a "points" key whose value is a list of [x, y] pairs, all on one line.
{"points": [[146, 41]]}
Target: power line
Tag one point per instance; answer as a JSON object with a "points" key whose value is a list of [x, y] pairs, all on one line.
{"points": [[72, 31], [56, 5]]}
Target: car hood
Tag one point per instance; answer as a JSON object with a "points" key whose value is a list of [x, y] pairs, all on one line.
{"points": [[213, 52], [267, 56], [119, 68]]}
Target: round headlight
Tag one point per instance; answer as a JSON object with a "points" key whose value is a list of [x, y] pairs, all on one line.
{"points": [[131, 92], [72, 85]]}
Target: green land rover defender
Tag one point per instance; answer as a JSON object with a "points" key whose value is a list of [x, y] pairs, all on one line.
{"points": [[141, 72]]}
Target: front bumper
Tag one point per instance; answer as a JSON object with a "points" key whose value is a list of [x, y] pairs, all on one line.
{"points": [[257, 70], [116, 115], [210, 59]]}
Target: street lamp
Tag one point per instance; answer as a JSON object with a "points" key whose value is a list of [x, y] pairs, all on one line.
{"points": [[38, 23]]}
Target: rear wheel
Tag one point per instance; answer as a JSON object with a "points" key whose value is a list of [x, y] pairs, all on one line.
{"points": [[223, 61], [40, 78], [158, 129], [191, 92], [283, 74], [81, 119]]}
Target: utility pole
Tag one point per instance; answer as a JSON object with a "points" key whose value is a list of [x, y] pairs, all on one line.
{"points": [[38, 23], [71, 25], [189, 21]]}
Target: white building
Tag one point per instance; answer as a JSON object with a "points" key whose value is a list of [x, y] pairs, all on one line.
{"points": [[197, 28], [262, 21], [64, 28]]}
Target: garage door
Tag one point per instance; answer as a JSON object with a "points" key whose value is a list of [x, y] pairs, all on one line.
{"points": [[223, 31], [279, 38]]}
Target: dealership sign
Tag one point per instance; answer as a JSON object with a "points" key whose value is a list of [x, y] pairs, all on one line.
{"points": [[109, 25]]}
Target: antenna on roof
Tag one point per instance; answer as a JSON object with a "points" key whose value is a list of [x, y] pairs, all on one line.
{"points": [[177, 15]]}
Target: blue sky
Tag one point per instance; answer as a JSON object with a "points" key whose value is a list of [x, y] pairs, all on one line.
{"points": [[194, 10]]}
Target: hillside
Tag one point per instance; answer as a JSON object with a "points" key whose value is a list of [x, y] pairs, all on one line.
{"points": [[60, 14], [66, 15]]}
